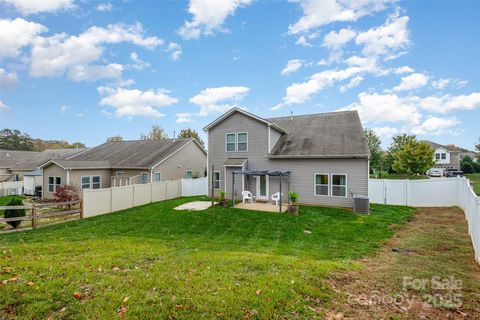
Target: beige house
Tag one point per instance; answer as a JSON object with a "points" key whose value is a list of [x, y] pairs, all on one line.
{"points": [[121, 163]]}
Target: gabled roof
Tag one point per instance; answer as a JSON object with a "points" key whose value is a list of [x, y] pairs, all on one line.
{"points": [[9, 158], [324, 135], [248, 114], [435, 145], [133, 154], [33, 162]]}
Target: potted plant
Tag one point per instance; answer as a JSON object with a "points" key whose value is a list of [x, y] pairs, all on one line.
{"points": [[293, 205], [221, 199]]}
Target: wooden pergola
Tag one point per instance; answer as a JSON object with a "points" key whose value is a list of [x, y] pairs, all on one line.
{"points": [[253, 173]]}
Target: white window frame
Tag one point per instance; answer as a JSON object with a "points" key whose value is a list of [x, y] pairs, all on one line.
{"points": [[443, 156], [142, 174], [99, 182], [237, 141], [155, 176], [331, 184], [89, 182], [315, 184], [437, 156], [186, 174], [214, 180], [54, 184]]}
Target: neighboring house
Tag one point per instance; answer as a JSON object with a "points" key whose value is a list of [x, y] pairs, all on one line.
{"points": [[14, 164], [448, 156], [327, 155], [120, 163]]}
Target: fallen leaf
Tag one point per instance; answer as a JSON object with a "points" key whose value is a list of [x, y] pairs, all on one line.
{"points": [[77, 295], [258, 292], [121, 311], [30, 284], [115, 268], [126, 299], [179, 306]]}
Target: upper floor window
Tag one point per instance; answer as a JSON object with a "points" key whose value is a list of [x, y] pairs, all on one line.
{"points": [[444, 156], [236, 142], [437, 156]]}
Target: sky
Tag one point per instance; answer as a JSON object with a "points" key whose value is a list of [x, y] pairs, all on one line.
{"points": [[85, 71]]}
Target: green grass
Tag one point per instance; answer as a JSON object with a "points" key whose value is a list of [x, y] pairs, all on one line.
{"points": [[6, 200], [187, 264], [475, 182]]}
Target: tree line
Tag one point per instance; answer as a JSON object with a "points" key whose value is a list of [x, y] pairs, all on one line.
{"points": [[22, 141], [408, 156]]}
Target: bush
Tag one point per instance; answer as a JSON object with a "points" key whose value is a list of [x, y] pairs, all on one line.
{"points": [[467, 168], [293, 196], [13, 213], [221, 196], [67, 193]]}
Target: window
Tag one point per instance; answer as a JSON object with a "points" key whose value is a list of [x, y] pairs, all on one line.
{"points": [[96, 182], [242, 141], [216, 180], [54, 183], [157, 176], [230, 141], [437, 156], [144, 177], [85, 182], [444, 156], [321, 184], [339, 185], [189, 174]]}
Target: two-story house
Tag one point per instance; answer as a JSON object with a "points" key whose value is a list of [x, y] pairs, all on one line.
{"points": [[448, 156], [327, 155]]}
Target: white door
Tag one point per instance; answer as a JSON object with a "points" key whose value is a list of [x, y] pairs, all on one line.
{"points": [[262, 187]]}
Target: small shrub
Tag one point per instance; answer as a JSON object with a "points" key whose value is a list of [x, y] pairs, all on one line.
{"points": [[13, 213], [221, 196], [67, 193], [293, 196]]}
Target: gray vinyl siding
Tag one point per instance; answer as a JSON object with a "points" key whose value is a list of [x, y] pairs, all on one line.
{"points": [[302, 178], [191, 157], [52, 171]]}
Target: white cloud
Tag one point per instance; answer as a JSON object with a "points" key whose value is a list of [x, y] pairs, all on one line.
{"points": [[302, 40], [441, 83], [7, 79], [387, 39], [184, 117], [462, 102], [138, 63], [16, 34], [61, 53], [134, 102], [292, 66], [216, 99], [354, 82], [412, 81], [4, 107], [376, 108], [64, 109], [104, 6], [404, 69], [386, 132], [209, 16], [317, 13], [27, 7], [336, 40], [435, 125], [175, 50]]}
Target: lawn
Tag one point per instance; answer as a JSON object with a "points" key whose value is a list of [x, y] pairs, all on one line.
{"points": [[475, 182], [6, 200], [154, 262]]}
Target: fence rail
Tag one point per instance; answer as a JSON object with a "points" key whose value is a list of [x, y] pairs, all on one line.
{"points": [[33, 216], [439, 192]]}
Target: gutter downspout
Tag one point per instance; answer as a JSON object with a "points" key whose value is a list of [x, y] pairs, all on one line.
{"points": [[68, 176]]}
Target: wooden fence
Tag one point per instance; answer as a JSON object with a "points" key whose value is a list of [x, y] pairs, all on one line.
{"points": [[34, 215]]}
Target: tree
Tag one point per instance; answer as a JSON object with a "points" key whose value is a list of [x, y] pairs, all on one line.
{"points": [[67, 193], [15, 140], [477, 148], [190, 133], [115, 138], [413, 158], [398, 143], [375, 146], [155, 133], [467, 165]]}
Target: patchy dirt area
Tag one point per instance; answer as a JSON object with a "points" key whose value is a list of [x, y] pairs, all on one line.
{"points": [[195, 206], [426, 271]]}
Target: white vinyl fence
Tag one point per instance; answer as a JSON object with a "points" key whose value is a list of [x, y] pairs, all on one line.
{"points": [[101, 201], [11, 188], [439, 192]]}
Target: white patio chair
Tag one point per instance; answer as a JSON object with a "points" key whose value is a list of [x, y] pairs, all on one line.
{"points": [[276, 197], [247, 196]]}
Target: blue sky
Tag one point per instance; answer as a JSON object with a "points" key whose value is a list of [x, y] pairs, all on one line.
{"points": [[84, 71]]}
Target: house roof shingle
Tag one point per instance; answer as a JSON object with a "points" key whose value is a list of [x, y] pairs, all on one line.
{"points": [[325, 135], [33, 162], [133, 154]]}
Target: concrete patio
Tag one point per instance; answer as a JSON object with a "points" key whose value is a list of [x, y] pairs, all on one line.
{"points": [[261, 206]]}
